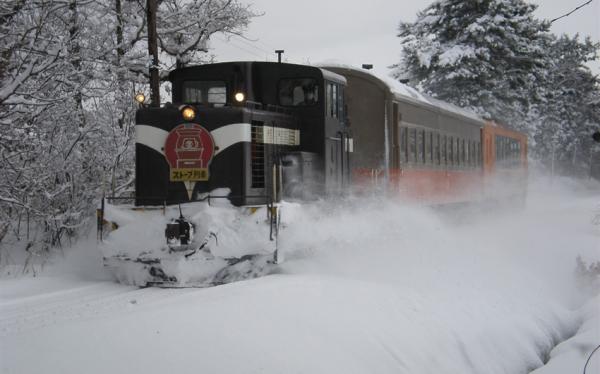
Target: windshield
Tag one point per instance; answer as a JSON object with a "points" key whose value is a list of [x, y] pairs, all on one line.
{"points": [[298, 92], [212, 93]]}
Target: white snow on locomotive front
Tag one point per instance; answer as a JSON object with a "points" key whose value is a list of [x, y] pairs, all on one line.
{"points": [[230, 232]]}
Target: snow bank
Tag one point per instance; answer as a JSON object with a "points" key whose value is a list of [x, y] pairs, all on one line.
{"points": [[572, 355]]}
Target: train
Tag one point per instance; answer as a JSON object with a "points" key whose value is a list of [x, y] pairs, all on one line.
{"points": [[240, 139]]}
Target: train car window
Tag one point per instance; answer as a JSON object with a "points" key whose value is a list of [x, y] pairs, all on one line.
{"points": [[452, 151], [433, 148], [428, 146], [420, 146], [334, 100], [499, 150], [508, 152], [456, 152], [468, 154], [412, 145], [444, 152], [341, 114], [204, 92], [403, 136], [328, 103], [425, 147], [298, 92], [436, 149]]}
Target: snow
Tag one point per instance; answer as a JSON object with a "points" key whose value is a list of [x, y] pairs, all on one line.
{"points": [[368, 286], [572, 355], [454, 54], [219, 232], [140, 231]]}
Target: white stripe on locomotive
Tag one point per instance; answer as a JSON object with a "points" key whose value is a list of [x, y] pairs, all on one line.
{"points": [[224, 137]]}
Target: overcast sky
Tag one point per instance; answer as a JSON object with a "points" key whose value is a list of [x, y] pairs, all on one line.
{"points": [[360, 31]]}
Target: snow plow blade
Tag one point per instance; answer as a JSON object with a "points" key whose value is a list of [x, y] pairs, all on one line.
{"points": [[179, 271], [192, 245]]}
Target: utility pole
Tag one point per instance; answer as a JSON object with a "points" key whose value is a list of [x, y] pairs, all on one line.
{"points": [[153, 52]]}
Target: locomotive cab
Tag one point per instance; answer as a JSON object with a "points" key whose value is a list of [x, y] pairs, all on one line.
{"points": [[261, 130]]}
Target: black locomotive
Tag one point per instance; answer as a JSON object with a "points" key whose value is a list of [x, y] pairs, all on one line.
{"points": [[251, 133], [277, 130]]}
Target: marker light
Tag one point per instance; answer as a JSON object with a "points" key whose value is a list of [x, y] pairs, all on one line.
{"points": [[239, 97], [140, 98], [188, 113]]}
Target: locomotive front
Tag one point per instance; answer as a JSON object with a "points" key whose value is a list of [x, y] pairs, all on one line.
{"points": [[209, 179]]}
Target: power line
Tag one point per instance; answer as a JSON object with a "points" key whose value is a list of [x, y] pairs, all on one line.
{"points": [[250, 42], [259, 41], [571, 12], [229, 42]]}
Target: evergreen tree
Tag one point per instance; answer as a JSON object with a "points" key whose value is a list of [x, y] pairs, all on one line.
{"points": [[486, 55], [569, 107]]}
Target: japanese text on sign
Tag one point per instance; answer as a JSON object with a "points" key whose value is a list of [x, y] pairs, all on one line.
{"points": [[183, 175]]}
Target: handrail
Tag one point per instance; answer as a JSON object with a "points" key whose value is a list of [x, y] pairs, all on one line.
{"points": [[268, 107]]}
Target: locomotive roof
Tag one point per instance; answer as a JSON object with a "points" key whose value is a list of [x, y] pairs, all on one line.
{"points": [[329, 75], [403, 92]]}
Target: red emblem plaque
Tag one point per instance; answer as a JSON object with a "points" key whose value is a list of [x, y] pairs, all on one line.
{"points": [[189, 148]]}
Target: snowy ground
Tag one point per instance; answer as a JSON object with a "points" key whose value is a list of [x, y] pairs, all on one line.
{"points": [[368, 288]]}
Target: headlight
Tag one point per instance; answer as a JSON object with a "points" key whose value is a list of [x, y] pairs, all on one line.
{"points": [[140, 98], [239, 97], [188, 113]]}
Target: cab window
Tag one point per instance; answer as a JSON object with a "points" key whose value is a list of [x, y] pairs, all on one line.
{"points": [[212, 93], [334, 100], [298, 92]]}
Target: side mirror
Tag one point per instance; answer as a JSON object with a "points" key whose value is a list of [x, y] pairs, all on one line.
{"points": [[596, 136]]}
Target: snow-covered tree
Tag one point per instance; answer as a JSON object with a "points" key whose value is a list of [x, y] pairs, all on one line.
{"points": [[50, 137], [569, 108], [495, 57], [185, 26], [68, 73], [486, 55]]}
